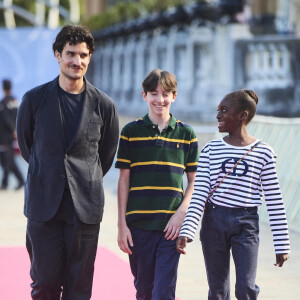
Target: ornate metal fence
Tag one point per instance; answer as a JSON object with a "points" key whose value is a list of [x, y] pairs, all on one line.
{"points": [[208, 61]]}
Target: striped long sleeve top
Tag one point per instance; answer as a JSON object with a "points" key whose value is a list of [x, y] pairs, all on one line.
{"points": [[254, 176]]}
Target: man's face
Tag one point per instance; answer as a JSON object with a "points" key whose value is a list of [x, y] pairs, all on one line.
{"points": [[73, 61]]}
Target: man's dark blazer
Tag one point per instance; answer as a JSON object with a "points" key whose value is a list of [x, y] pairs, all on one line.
{"points": [[82, 165]]}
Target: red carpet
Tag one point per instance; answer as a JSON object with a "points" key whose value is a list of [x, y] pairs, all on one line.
{"points": [[112, 280]]}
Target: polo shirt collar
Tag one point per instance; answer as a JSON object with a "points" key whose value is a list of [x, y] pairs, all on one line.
{"points": [[148, 122]]}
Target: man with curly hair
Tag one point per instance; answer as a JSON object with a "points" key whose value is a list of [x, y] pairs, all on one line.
{"points": [[68, 133]]}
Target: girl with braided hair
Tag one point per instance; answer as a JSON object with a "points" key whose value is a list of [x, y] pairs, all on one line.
{"points": [[230, 189]]}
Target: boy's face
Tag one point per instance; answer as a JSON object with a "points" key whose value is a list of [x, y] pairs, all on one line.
{"points": [[159, 101], [73, 60]]}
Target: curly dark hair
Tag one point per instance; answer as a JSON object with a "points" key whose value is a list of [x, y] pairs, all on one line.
{"points": [[73, 34]]}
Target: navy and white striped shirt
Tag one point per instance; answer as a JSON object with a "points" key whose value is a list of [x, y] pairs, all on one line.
{"points": [[243, 187]]}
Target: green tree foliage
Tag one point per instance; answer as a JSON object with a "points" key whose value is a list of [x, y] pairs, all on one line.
{"points": [[153, 6], [120, 12], [124, 11]]}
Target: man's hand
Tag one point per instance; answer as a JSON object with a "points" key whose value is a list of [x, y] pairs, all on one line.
{"points": [[173, 227], [280, 259], [181, 244], [125, 239]]}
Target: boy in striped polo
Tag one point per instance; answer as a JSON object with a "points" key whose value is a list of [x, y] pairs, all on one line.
{"points": [[153, 154]]}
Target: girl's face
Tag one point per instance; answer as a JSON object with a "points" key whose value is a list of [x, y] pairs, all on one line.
{"points": [[229, 116]]}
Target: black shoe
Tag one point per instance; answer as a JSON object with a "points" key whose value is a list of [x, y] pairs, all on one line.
{"points": [[19, 186], [3, 187]]}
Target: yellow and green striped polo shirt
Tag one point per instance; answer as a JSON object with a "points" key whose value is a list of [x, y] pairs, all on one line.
{"points": [[157, 161]]}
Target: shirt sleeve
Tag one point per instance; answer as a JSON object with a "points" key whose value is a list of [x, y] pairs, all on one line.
{"points": [[200, 194], [275, 206], [109, 140], [193, 156], [123, 154], [25, 126]]}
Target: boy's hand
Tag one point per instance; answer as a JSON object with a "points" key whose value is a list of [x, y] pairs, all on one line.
{"points": [[181, 244], [125, 239], [280, 259], [173, 227]]}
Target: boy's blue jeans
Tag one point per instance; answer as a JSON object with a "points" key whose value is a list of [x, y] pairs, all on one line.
{"points": [[153, 263], [236, 229]]}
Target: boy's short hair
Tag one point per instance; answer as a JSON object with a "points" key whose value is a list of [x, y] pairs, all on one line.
{"points": [[73, 34], [166, 80], [6, 84]]}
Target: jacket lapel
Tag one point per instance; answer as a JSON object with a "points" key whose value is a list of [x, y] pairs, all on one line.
{"points": [[53, 108]]}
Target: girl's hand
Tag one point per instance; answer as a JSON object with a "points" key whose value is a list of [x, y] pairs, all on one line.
{"points": [[181, 244], [280, 259]]}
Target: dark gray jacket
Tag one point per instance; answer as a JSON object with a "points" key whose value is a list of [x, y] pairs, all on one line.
{"points": [[82, 165], [8, 113]]}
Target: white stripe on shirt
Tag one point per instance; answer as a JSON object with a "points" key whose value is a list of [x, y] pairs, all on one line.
{"points": [[255, 174]]}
